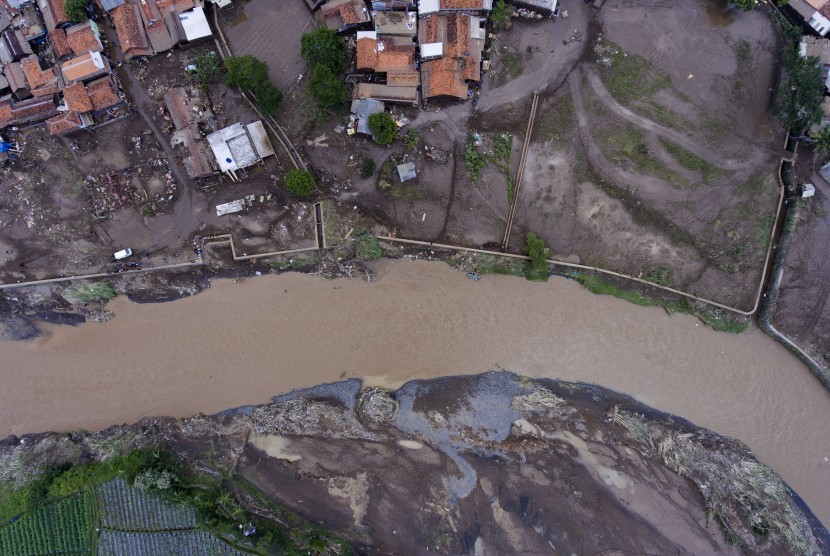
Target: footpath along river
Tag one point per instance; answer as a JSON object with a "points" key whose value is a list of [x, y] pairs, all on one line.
{"points": [[241, 343]]}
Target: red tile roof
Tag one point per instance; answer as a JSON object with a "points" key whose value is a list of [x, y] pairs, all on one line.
{"points": [[178, 6], [34, 74], [27, 111], [83, 67], [77, 99], [83, 39], [402, 78], [63, 123], [443, 78], [46, 90], [59, 42], [462, 4], [103, 93], [130, 30], [382, 56]]}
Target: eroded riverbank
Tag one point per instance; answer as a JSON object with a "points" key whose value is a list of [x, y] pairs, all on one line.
{"points": [[241, 343]]}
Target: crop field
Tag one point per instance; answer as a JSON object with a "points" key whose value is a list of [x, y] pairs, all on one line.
{"points": [[180, 543], [64, 527], [126, 508]]}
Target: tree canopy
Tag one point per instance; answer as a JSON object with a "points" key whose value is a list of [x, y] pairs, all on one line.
{"points": [[800, 92], [538, 253], [76, 10], [324, 47], [745, 5], [326, 87], [268, 98], [246, 72], [383, 127], [299, 182], [500, 16]]}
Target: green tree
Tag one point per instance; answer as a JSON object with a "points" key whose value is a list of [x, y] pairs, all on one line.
{"points": [[538, 253], [209, 68], [383, 128], [411, 137], [500, 16], [822, 140], [246, 72], [76, 10], [800, 92], [326, 87], [324, 47], [268, 98], [367, 170], [745, 5], [299, 182], [367, 247]]}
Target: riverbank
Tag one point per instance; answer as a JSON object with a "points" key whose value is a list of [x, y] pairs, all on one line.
{"points": [[545, 464], [241, 342]]}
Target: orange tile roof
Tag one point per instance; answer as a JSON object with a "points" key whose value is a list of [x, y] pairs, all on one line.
{"points": [[383, 56], [471, 69], [59, 42], [5, 112], [27, 111], [130, 30], [348, 14], [83, 67], [46, 90], [462, 4], [34, 74], [77, 99], [443, 78], [402, 78], [63, 123], [82, 39], [178, 6], [367, 53], [103, 93]]}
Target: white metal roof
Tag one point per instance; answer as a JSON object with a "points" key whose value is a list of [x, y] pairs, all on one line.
{"points": [[195, 24], [367, 35], [432, 49], [260, 139], [428, 6]]}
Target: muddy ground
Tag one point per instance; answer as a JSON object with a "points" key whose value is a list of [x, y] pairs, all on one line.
{"points": [[803, 307], [489, 464]]}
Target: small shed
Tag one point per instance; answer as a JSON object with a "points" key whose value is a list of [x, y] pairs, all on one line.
{"points": [[432, 50], [195, 24], [407, 171], [362, 109], [239, 146], [808, 190]]}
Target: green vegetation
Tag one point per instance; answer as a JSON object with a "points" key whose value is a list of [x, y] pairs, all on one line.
{"points": [[691, 161], [798, 99], [628, 77], [86, 293], [367, 247], [502, 147], [539, 255], [500, 16], [326, 88], [383, 128], [209, 68], [367, 168], [660, 276], [250, 73], [411, 138], [822, 141], [511, 65], [475, 160], [489, 264], [628, 143], [324, 47], [557, 120], [64, 527], [299, 182], [76, 10], [746, 5], [710, 317]]}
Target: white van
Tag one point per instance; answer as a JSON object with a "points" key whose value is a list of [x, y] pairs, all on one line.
{"points": [[123, 254]]}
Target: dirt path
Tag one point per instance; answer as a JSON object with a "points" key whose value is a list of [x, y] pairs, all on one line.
{"points": [[713, 157]]}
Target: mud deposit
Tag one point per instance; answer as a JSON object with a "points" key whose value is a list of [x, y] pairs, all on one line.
{"points": [[490, 464]]}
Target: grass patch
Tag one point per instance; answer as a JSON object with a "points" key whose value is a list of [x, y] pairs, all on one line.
{"points": [[620, 144], [628, 77], [87, 293], [475, 160], [511, 66], [502, 147], [489, 264], [557, 121], [710, 317], [691, 161]]}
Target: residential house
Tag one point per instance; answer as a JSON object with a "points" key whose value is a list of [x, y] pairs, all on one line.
{"points": [[361, 110], [401, 26], [85, 67], [816, 13], [29, 22], [54, 14], [25, 112], [42, 82], [194, 26], [17, 81], [59, 43], [239, 146], [336, 14], [109, 5], [67, 123], [154, 26], [15, 46], [130, 31], [84, 37], [451, 47], [472, 7], [190, 112], [76, 98], [104, 94], [383, 55]]}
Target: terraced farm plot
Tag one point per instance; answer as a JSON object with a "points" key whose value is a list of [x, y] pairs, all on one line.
{"points": [[126, 508], [181, 543], [64, 528]]}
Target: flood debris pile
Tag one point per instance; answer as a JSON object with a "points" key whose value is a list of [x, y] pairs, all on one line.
{"points": [[494, 463]]}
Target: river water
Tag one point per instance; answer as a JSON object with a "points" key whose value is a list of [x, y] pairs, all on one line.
{"points": [[242, 342]]}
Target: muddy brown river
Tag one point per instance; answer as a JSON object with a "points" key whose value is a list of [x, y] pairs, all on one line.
{"points": [[240, 343]]}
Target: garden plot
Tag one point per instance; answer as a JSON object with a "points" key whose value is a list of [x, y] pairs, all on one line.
{"points": [[184, 543], [64, 527], [127, 508]]}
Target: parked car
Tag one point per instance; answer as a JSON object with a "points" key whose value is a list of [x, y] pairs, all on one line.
{"points": [[123, 254]]}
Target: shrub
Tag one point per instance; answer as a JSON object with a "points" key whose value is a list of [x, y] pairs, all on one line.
{"points": [[209, 68], [367, 247], [268, 98], [326, 87], [412, 136], [538, 253], [299, 182], [367, 169], [324, 47], [500, 16], [76, 10], [745, 5], [475, 161], [86, 293], [384, 185], [383, 128], [246, 72], [160, 479]]}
